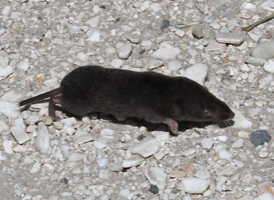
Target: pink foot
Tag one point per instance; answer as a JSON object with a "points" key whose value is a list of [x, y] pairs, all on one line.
{"points": [[173, 125]]}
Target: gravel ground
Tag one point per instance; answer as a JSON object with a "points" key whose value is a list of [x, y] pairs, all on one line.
{"points": [[97, 157]]}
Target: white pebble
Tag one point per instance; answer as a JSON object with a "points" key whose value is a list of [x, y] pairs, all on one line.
{"points": [[116, 63], [99, 145], [107, 133], [8, 108], [265, 196], [42, 140], [207, 143], [19, 134], [156, 176], [269, 66], [227, 171], [95, 37], [24, 65], [166, 52], [8, 144], [156, 7], [254, 61], [188, 152], [263, 154], [174, 65], [82, 56], [147, 148], [264, 50], [74, 157], [33, 119], [197, 72], [132, 161], [215, 46], [230, 38], [180, 33], [195, 185], [84, 139], [220, 183], [124, 51], [204, 174], [93, 22], [161, 136], [3, 126], [101, 162], [238, 144], [240, 120], [224, 154], [6, 10], [36, 167]]}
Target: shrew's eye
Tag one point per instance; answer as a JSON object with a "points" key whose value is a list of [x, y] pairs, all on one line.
{"points": [[206, 113]]}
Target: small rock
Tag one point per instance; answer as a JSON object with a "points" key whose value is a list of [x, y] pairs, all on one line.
{"points": [[207, 143], [238, 144], [269, 66], [36, 167], [33, 119], [178, 174], [94, 37], [188, 152], [195, 185], [204, 174], [154, 64], [147, 148], [107, 133], [265, 50], [259, 137], [116, 63], [198, 32], [93, 22], [124, 51], [99, 145], [254, 61], [227, 171], [132, 161], [8, 145], [154, 189], [224, 154], [84, 139], [101, 162], [23, 65], [215, 46], [19, 134], [161, 136], [220, 183], [265, 196], [166, 52], [197, 73], [8, 108], [3, 126], [230, 38], [82, 56], [263, 154], [156, 7], [174, 65], [156, 176], [240, 120], [180, 33], [42, 140], [165, 24], [74, 157]]}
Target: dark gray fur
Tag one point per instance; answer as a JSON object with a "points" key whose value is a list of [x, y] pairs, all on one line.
{"points": [[145, 95]]}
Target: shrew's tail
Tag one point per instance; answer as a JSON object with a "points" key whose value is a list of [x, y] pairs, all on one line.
{"points": [[41, 97]]}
